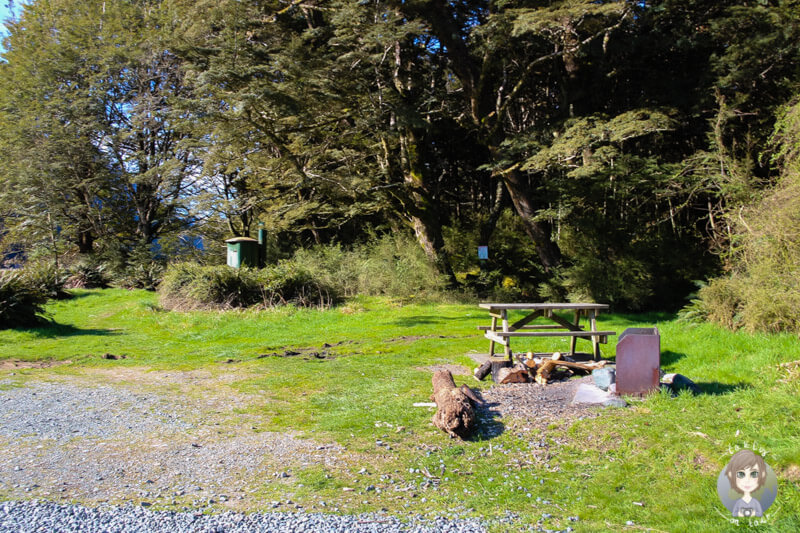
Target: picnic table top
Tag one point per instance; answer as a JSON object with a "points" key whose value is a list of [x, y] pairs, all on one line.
{"points": [[543, 306]]}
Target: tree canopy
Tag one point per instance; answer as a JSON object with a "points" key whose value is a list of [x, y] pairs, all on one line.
{"points": [[599, 148]]}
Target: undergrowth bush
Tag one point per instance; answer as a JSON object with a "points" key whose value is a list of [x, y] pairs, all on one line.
{"points": [[391, 265], [315, 277], [141, 267], [48, 280], [513, 270], [762, 291], [88, 274], [188, 286], [21, 303]]}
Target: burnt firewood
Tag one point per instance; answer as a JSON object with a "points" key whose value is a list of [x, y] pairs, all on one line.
{"points": [[514, 374], [482, 371], [497, 366]]}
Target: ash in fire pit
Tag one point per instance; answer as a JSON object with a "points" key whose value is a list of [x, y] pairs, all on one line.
{"points": [[535, 404]]}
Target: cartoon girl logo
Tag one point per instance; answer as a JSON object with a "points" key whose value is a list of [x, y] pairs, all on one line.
{"points": [[747, 485]]}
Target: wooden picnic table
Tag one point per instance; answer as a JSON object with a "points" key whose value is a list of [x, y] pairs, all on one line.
{"points": [[501, 333]]}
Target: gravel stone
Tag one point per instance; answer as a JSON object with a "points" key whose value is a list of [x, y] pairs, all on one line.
{"points": [[64, 412], [72, 439], [44, 517]]}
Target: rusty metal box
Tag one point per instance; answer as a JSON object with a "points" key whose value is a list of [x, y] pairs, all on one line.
{"points": [[638, 361]]}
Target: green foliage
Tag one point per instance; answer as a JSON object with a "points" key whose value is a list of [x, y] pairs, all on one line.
{"points": [[719, 301], [619, 134], [601, 275], [392, 265], [21, 302], [191, 286], [88, 273], [590, 145], [47, 279], [631, 268], [512, 272], [93, 150], [139, 269], [762, 291]]}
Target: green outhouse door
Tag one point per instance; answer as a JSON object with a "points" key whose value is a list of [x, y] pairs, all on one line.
{"points": [[242, 251]]}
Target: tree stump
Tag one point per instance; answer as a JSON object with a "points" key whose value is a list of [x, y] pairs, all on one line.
{"points": [[455, 414]]}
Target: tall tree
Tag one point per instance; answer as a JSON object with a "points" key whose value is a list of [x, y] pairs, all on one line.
{"points": [[91, 111], [55, 181], [263, 78]]}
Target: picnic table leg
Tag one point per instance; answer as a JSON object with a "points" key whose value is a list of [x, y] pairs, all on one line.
{"points": [[507, 346], [595, 339], [491, 342], [572, 340]]}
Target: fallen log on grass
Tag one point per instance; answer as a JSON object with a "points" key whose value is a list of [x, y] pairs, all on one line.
{"points": [[455, 413]]}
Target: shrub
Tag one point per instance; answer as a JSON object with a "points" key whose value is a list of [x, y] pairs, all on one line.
{"points": [[21, 305], [513, 270], [48, 280], [317, 277], [141, 275], [388, 265], [762, 291], [224, 286], [87, 274], [720, 301], [142, 269], [191, 286]]}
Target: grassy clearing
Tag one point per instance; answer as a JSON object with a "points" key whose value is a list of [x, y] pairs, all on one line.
{"points": [[654, 465]]}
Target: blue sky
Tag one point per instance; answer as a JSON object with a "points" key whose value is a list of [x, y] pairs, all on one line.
{"points": [[5, 14]]}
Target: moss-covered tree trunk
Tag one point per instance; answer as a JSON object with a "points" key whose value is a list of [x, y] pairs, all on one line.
{"points": [[422, 210]]}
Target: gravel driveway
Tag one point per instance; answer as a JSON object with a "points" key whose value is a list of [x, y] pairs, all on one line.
{"points": [[120, 446]]}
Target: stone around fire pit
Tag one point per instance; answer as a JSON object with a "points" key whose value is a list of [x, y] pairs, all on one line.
{"points": [[588, 394], [603, 377]]}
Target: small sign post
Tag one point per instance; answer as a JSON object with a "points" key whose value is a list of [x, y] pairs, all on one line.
{"points": [[483, 252]]}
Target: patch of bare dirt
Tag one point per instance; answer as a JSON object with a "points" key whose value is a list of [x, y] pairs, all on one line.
{"points": [[791, 473], [412, 338], [11, 364], [147, 375], [210, 390], [324, 352], [703, 464]]}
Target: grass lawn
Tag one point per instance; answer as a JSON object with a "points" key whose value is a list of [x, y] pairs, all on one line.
{"points": [[652, 466]]}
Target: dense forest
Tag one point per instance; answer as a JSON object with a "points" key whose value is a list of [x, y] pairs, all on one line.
{"points": [[603, 150]]}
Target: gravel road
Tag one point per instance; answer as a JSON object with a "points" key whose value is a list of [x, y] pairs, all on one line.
{"points": [[123, 449]]}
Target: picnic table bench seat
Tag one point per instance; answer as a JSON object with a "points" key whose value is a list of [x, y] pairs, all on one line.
{"points": [[502, 333]]}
